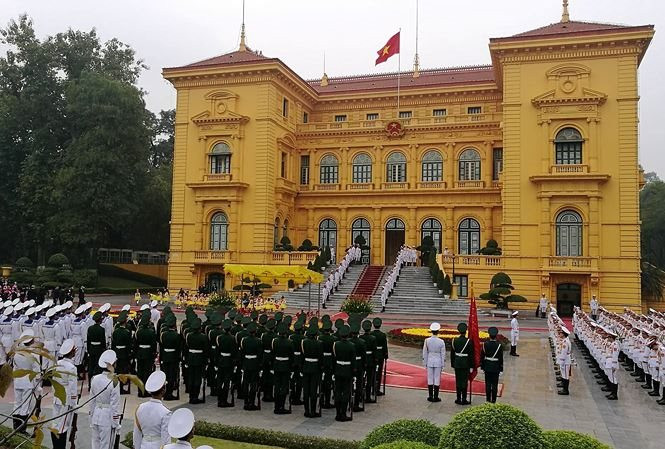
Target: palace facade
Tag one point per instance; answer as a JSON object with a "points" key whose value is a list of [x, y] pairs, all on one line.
{"points": [[538, 151]]}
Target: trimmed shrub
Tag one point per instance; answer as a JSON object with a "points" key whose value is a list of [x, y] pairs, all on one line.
{"points": [[412, 430], [404, 444], [565, 439], [45, 275], [24, 263], [498, 426], [57, 260], [65, 276], [87, 278], [306, 245], [22, 278]]}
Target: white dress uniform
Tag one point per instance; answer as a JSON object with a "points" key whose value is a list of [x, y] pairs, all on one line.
{"points": [[79, 337], [48, 335], [6, 339], [434, 358], [68, 380], [105, 407], [151, 421], [564, 357], [180, 426], [514, 331], [23, 387], [107, 324]]}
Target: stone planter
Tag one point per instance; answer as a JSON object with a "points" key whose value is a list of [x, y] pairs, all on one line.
{"points": [[440, 292], [6, 271]]}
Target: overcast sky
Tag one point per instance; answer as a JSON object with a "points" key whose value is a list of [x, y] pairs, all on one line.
{"points": [[168, 33]]}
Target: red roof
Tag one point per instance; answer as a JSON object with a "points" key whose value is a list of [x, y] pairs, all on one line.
{"points": [[427, 78], [235, 57], [571, 28]]}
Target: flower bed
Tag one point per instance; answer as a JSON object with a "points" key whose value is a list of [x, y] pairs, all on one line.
{"points": [[414, 336]]}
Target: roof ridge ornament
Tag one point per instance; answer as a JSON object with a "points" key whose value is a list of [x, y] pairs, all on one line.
{"points": [[243, 45], [565, 16]]}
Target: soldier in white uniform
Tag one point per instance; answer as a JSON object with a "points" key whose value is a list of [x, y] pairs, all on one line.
{"points": [[154, 313], [564, 359], [181, 427], [151, 419], [612, 365], [48, 335], [105, 405], [434, 359], [79, 336], [654, 366], [107, 323], [514, 334], [542, 305], [61, 425], [594, 307], [24, 400], [6, 339]]}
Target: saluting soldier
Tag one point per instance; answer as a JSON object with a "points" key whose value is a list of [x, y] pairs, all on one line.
{"points": [[146, 349], [345, 356], [461, 355], [62, 411], [311, 369], [328, 363], [371, 357], [267, 379], [226, 358], [491, 362], [282, 352], [381, 353], [251, 350], [197, 355], [96, 339], [121, 343], [296, 380], [171, 345], [359, 365]]}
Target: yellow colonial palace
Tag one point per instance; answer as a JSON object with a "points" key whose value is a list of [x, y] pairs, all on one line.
{"points": [[537, 151]]}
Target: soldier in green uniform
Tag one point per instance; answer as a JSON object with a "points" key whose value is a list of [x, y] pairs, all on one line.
{"points": [[96, 345], [345, 356], [240, 381], [328, 363], [171, 346], [370, 362], [491, 362], [214, 329], [197, 356], [227, 353], [282, 352], [381, 354], [184, 330], [251, 350], [359, 367], [267, 379], [461, 357], [296, 379], [121, 343], [165, 312], [145, 349], [312, 353], [338, 325], [263, 320]]}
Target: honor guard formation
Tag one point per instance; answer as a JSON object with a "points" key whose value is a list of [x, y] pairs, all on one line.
{"points": [[336, 276]]}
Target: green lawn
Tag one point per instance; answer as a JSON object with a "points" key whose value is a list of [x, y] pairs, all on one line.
{"points": [[224, 444], [114, 282]]}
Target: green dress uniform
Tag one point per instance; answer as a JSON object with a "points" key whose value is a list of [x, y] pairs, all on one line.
{"points": [[145, 350], [197, 356], [282, 353], [251, 350], [328, 363], [296, 379], [171, 347], [381, 353], [371, 357], [359, 367], [312, 352], [121, 343], [184, 331], [345, 356], [214, 330], [239, 381], [491, 362], [227, 354], [96, 345], [461, 358], [267, 379]]}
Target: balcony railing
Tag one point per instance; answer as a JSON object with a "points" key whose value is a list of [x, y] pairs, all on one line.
{"points": [[395, 185], [569, 263], [569, 168], [360, 186], [218, 177], [432, 185], [293, 257], [473, 260], [497, 185], [326, 187], [212, 256], [470, 184]]}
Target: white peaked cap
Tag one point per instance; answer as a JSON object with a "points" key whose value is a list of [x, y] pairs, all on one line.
{"points": [[30, 311], [108, 357], [79, 310], [68, 304], [8, 303], [205, 446], [105, 307], [565, 330], [515, 313], [66, 347], [28, 333], [15, 301], [31, 302], [155, 381], [181, 423], [48, 303], [153, 303], [126, 307], [145, 307], [87, 306], [435, 327], [50, 312], [8, 311]]}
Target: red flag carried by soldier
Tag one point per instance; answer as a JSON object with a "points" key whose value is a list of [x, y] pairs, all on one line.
{"points": [[391, 48], [474, 337]]}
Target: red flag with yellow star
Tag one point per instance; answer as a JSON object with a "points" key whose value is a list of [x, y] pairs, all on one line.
{"points": [[391, 48]]}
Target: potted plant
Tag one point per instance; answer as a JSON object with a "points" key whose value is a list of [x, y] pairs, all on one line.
{"points": [[440, 280], [500, 292], [327, 255], [491, 248], [306, 245], [291, 284], [447, 287]]}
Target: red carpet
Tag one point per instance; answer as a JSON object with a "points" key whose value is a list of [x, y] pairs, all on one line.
{"points": [[368, 280], [406, 375]]}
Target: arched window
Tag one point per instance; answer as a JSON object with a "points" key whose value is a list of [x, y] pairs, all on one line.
{"points": [[362, 227], [432, 227], [469, 236], [219, 232], [275, 233], [396, 167], [328, 234], [395, 224], [286, 228], [220, 159], [469, 165], [329, 169], [568, 146], [362, 169], [569, 234], [432, 166]]}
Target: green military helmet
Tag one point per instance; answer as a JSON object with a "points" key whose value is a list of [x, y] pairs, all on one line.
{"points": [[145, 313], [377, 322], [170, 320], [344, 331], [462, 327], [167, 309], [354, 317], [298, 326], [189, 310], [254, 315], [246, 321], [195, 324], [97, 317], [339, 323], [223, 311], [493, 331], [279, 316], [239, 318], [325, 318], [122, 317], [302, 318], [312, 331], [227, 324], [288, 319], [314, 321], [326, 326], [282, 329], [216, 319], [367, 325], [270, 324], [231, 314], [354, 327], [252, 327], [263, 319]]}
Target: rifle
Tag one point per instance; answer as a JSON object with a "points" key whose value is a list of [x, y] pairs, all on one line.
{"points": [[115, 435], [385, 367], [258, 391], [352, 397], [74, 426], [204, 385]]}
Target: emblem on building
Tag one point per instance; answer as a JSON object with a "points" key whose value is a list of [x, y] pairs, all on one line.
{"points": [[394, 129]]}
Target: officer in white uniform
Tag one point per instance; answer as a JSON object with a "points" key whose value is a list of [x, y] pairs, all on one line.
{"points": [[60, 426], [151, 419], [434, 359], [48, 335], [181, 427], [514, 334], [6, 339], [542, 305], [24, 400], [594, 307], [105, 405], [107, 323], [564, 359], [154, 313]]}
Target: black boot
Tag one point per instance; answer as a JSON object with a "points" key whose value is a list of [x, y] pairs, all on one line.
{"points": [[647, 385], [662, 400], [458, 401], [564, 391], [613, 395], [430, 389], [656, 388], [464, 401], [436, 394]]}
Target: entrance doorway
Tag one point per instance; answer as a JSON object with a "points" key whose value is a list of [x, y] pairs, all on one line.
{"points": [[567, 297], [395, 238], [328, 236], [214, 282], [361, 227]]}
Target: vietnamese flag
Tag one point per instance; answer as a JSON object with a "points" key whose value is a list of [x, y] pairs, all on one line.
{"points": [[391, 48], [474, 337]]}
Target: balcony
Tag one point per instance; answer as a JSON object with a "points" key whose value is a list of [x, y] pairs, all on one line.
{"points": [[212, 256], [326, 187], [569, 168], [470, 184], [395, 186], [437, 185], [218, 177], [473, 261], [562, 263], [293, 257], [360, 186]]}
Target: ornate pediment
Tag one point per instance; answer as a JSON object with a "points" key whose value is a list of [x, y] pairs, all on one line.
{"points": [[208, 118], [222, 105], [568, 85], [585, 96]]}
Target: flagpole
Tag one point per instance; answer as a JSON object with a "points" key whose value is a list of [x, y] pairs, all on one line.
{"points": [[399, 69]]}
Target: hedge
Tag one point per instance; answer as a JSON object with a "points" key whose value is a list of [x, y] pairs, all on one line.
{"points": [[19, 440], [414, 430], [111, 270], [57, 260], [499, 426], [404, 444], [565, 439]]}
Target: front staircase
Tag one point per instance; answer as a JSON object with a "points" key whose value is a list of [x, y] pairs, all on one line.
{"points": [[369, 280]]}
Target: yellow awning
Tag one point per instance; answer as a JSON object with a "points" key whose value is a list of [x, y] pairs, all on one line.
{"points": [[266, 273]]}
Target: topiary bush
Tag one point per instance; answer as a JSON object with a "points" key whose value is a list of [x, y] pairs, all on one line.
{"points": [[404, 444], [496, 426], [411, 430], [24, 264], [306, 245], [57, 260], [87, 278], [566, 439]]}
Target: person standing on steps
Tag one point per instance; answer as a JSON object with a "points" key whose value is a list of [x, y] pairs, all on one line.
{"points": [[542, 305], [434, 358], [514, 334], [461, 355], [491, 363], [594, 307]]}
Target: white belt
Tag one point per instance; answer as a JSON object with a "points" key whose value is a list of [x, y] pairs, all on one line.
{"points": [[358, 357], [96, 343], [144, 346], [296, 353], [282, 359], [169, 350], [152, 438], [461, 355], [103, 405], [340, 362], [379, 347], [225, 354], [327, 354], [267, 351], [492, 359], [311, 360], [250, 356], [369, 352], [196, 351], [119, 347], [212, 346]]}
